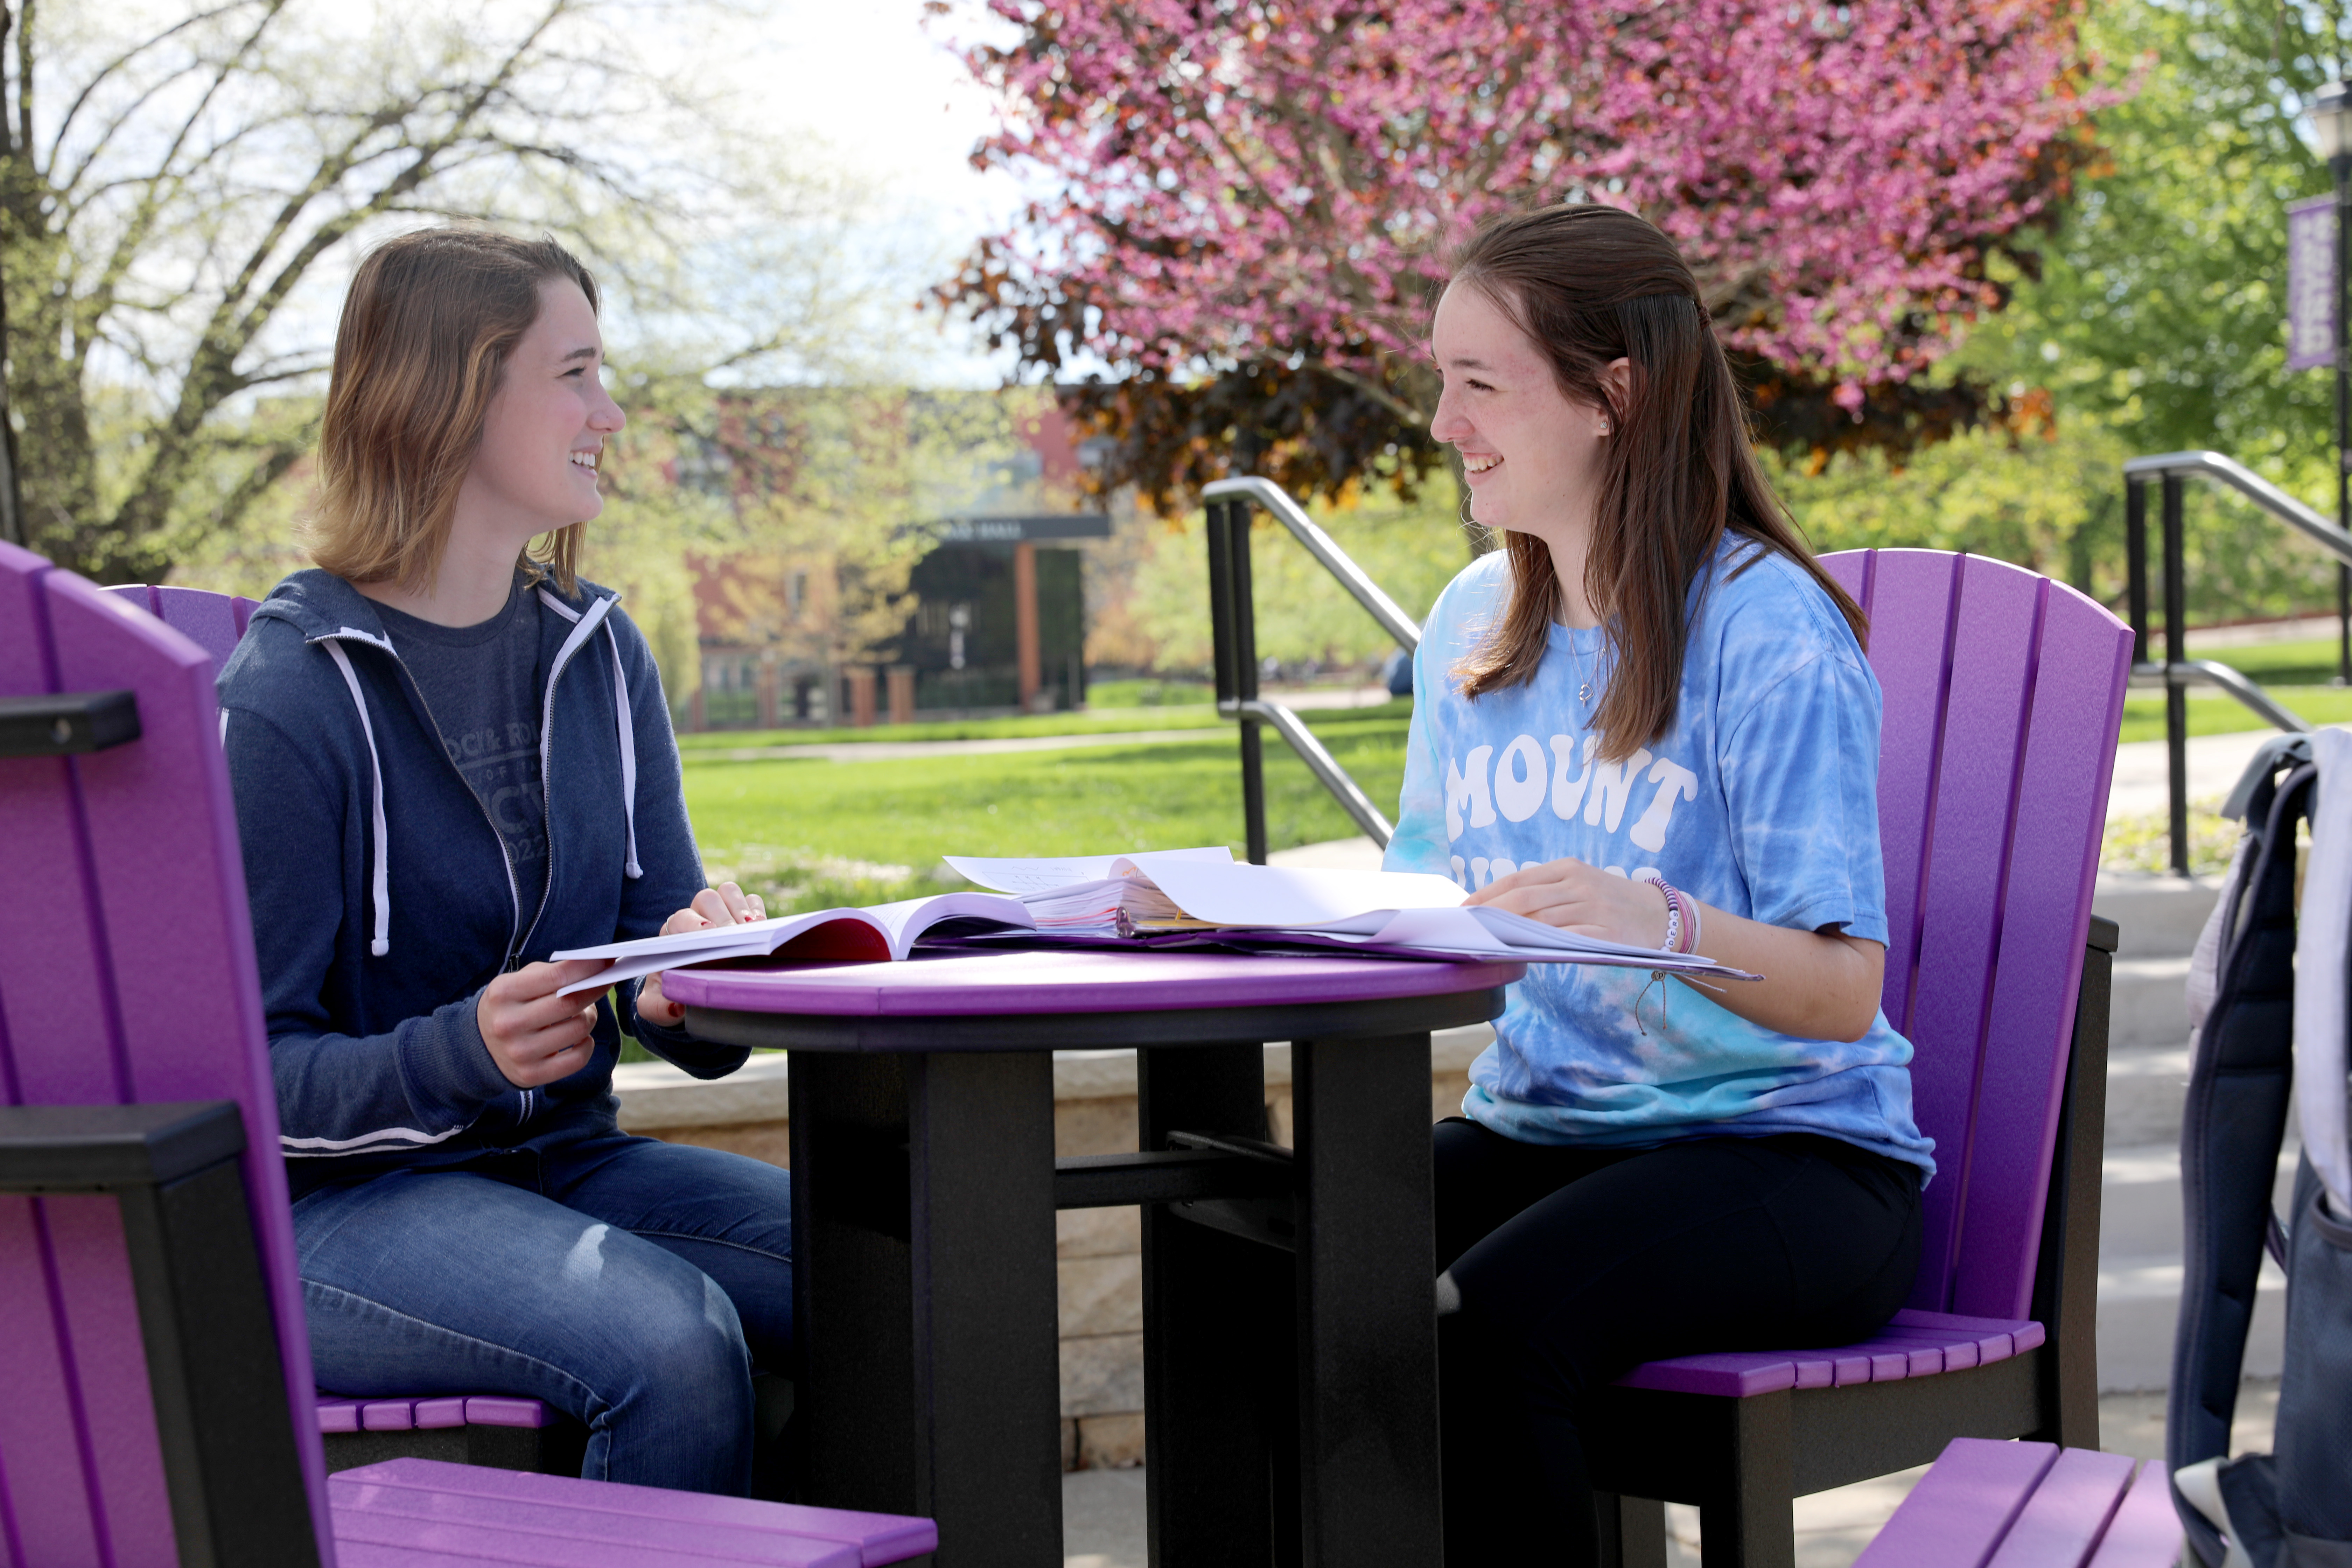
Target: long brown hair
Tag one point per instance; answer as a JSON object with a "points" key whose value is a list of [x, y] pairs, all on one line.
{"points": [[1590, 285], [426, 330]]}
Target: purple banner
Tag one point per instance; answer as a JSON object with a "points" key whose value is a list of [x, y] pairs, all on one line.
{"points": [[2310, 282]]}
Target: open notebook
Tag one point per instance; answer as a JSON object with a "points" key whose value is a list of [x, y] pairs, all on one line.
{"points": [[1171, 898]]}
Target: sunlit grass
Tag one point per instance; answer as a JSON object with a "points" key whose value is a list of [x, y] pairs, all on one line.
{"points": [[809, 833]]}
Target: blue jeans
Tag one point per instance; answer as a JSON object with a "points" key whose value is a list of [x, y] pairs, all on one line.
{"points": [[632, 1284]]}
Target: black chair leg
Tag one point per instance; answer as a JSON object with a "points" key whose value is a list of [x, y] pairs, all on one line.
{"points": [[1753, 1524], [1633, 1530]]}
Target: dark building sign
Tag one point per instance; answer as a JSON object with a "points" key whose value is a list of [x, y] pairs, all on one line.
{"points": [[1020, 530]]}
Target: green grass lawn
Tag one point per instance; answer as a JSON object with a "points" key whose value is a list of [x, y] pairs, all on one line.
{"points": [[2311, 663], [2210, 713], [810, 833]]}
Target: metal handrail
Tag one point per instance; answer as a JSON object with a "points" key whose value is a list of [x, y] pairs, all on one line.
{"points": [[2207, 672], [2250, 484], [1233, 622], [1319, 544], [2178, 672]]}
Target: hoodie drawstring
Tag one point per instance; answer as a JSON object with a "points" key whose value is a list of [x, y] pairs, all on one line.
{"points": [[382, 943], [628, 749], [620, 712]]}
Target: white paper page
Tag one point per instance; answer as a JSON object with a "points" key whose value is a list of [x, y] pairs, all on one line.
{"points": [[904, 921], [637, 963], [1244, 895], [1038, 875], [707, 936]]}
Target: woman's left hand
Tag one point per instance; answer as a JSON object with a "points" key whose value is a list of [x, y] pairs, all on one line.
{"points": [[1582, 899], [725, 904]]}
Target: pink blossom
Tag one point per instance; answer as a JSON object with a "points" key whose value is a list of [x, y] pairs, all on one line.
{"points": [[1268, 179]]}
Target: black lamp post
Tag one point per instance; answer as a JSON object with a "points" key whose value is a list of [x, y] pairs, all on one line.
{"points": [[2331, 118]]}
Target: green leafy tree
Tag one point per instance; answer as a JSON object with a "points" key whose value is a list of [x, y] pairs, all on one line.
{"points": [[183, 192], [2161, 303]]}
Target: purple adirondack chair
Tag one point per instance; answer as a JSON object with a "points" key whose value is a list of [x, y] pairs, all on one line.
{"points": [[2004, 694], [158, 1405]]}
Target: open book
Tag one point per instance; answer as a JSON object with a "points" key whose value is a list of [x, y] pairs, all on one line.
{"points": [[1174, 898]]}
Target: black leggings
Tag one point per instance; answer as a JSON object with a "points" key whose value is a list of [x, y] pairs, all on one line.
{"points": [[1576, 1264]]}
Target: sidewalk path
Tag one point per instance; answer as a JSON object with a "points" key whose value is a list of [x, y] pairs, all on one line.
{"points": [[909, 751], [2214, 763]]}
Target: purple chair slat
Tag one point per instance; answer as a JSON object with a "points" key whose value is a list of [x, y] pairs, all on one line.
{"points": [[1848, 1369], [209, 620], [1820, 1372], [187, 989], [438, 1542], [2146, 1531], [56, 1048], [339, 1415], [2069, 759], [1728, 1374], [382, 1513], [367, 1554], [243, 609], [388, 1416], [2063, 1518], [1964, 1505], [433, 1414], [1911, 589], [1962, 887], [1889, 1367], [108, 1361], [504, 1410], [44, 1497], [1850, 569], [882, 1537]]}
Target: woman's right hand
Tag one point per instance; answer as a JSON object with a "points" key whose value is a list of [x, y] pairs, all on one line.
{"points": [[535, 1035]]}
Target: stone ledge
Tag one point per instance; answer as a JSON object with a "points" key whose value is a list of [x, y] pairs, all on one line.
{"points": [[658, 1097]]}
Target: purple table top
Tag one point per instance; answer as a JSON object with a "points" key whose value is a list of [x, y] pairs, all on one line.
{"points": [[1029, 981]]}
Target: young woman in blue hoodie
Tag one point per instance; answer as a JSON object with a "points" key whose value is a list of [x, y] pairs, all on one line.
{"points": [[1648, 718], [452, 757]]}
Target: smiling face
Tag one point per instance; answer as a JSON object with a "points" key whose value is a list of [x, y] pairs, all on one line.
{"points": [[535, 470], [1531, 454]]}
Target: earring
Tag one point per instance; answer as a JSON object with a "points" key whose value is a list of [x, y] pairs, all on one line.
{"points": [[1605, 427]]}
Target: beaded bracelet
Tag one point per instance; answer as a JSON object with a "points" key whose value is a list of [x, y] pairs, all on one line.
{"points": [[1674, 913], [1681, 917]]}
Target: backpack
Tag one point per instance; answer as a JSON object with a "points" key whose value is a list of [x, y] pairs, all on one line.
{"points": [[2258, 1036]]}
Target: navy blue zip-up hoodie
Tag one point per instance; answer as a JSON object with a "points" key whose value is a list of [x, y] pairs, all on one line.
{"points": [[382, 900]]}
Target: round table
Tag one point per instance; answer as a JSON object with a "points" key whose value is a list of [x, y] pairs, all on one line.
{"points": [[1290, 1362]]}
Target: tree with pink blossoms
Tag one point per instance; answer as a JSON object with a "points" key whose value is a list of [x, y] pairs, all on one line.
{"points": [[1255, 198]]}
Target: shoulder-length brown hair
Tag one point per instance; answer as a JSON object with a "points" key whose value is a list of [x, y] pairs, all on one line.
{"points": [[427, 328], [1592, 284]]}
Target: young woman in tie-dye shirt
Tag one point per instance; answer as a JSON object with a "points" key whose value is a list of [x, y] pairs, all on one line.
{"points": [[1649, 718]]}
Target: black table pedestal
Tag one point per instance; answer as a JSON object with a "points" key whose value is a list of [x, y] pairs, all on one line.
{"points": [[1290, 1348], [924, 1295]]}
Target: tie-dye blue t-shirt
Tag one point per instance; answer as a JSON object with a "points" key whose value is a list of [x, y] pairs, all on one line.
{"points": [[1761, 798]]}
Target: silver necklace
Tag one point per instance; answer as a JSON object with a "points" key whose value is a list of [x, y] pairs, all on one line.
{"points": [[1583, 684]]}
